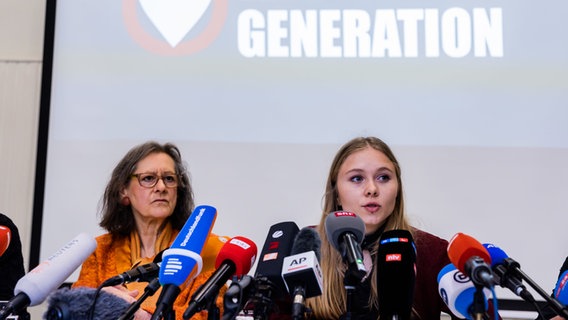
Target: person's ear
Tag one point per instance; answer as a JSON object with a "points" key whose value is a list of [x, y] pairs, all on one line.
{"points": [[124, 200]]}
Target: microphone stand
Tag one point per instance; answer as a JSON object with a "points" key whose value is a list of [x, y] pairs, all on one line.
{"points": [[515, 267], [263, 303], [238, 293], [349, 289], [298, 306], [352, 276], [168, 314], [150, 290], [478, 306], [165, 313], [213, 312]]}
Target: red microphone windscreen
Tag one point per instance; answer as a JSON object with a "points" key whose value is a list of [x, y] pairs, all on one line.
{"points": [[463, 247], [241, 251], [5, 237]]}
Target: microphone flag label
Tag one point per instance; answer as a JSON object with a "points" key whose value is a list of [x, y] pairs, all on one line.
{"points": [[393, 257]]}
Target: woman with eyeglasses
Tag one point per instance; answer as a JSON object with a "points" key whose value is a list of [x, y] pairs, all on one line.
{"points": [[145, 204]]}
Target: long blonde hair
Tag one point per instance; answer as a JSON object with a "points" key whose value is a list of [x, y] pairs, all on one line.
{"points": [[331, 304]]}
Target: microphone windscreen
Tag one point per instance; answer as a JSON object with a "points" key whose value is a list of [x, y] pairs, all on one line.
{"points": [[396, 273], [561, 290], [182, 260], [75, 304], [51, 273], [463, 247], [240, 251], [5, 238], [306, 240], [457, 291], [496, 254], [340, 222]]}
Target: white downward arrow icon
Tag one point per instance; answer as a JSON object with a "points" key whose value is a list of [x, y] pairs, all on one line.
{"points": [[174, 18]]}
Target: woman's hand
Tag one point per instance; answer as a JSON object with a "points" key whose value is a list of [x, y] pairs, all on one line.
{"points": [[122, 292], [130, 297]]}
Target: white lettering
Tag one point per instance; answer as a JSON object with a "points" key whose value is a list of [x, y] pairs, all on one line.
{"points": [[410, 18], [239, 243], [488, 33], [330, 33], [192, 228], [384, 33], [276, 19], [251, 36], [456, 32], [431, 33], [303, 33], [356, 34]]}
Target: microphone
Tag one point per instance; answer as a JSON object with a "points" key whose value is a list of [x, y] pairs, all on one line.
{"points": [[301, 270], [471, 258], [34, 287], [75, 304], [5, 237], [345, 231], [238, 292], [182, 261], [458, 292], [513, 270], [149, 290], [396, 265], [504, 277], [268, 282], [235, 257], [560, 291], [143, 273]]}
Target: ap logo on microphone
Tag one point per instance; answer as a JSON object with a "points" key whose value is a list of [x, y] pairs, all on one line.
{"points": [[174, 27]]}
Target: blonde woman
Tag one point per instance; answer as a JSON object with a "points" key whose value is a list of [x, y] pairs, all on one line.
{"points": [[365, 178]]}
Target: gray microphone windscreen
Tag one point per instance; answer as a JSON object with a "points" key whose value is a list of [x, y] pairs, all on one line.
{"points": [[75, 304], [340, 222]]}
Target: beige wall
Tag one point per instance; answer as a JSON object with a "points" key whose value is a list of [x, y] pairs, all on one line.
{"points": [[21, 50]]}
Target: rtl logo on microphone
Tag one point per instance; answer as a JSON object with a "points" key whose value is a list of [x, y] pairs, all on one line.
{"points": [[397, 257]]}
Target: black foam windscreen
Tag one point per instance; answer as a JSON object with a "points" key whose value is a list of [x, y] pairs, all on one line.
{"points": [[75, 304], [396, 274], [306, 240], [339, 223]]}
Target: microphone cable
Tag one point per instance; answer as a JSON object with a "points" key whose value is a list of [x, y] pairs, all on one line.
{"points": [[95, 297]]}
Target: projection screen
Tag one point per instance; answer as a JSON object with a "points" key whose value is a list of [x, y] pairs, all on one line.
{"points": [[259, 95]]}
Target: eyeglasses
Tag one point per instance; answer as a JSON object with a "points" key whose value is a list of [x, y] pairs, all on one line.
{"points": [[149, 180]]}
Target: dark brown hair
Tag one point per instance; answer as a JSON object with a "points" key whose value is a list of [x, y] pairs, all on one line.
{"points": [[117, 218]]}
